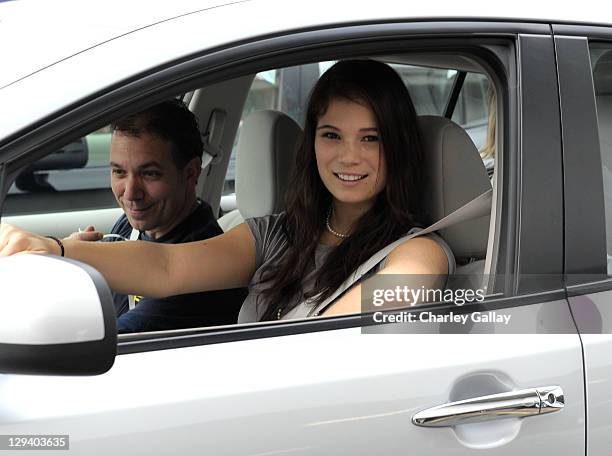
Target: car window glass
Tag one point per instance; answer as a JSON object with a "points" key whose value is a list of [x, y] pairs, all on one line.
{"points": [[75, 176], [428, 87], [601, 63], [472, 108]]}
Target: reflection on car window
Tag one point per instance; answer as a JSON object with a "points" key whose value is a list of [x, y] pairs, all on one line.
{"points": [[80, 165], [428, 87], [601, 61], [54, 182]]}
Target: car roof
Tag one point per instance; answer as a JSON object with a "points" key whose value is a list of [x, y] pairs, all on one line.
{"points": [[41, 33], [81, 47]]}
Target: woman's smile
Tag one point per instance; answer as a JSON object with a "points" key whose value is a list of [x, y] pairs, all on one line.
{"points": [[350, 179]]}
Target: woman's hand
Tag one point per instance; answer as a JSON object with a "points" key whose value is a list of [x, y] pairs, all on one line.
{"points": [[15, 240], [88, 234]]}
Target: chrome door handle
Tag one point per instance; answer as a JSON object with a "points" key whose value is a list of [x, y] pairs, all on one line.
{"points": [[514, 404]]}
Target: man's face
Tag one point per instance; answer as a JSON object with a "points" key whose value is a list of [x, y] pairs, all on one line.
{"points": [[154, 194]]}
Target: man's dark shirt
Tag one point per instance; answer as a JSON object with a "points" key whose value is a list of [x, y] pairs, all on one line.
{"points": [[182, 311]]}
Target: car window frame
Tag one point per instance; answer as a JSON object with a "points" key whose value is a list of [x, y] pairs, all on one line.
{"points": [[294, 48]]}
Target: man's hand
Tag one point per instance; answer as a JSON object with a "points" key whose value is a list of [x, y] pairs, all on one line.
{"points": [[15, 240], [89, 234]]}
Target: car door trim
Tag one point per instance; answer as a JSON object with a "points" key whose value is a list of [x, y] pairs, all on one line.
{"points": [[164, 340]]}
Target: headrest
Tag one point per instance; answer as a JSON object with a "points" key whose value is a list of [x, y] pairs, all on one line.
{"points": [[602, 75], [264, 156], [455, 174]]}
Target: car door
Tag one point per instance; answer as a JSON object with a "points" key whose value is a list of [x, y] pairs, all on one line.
{"points": [[328, 386], [583, 56]]}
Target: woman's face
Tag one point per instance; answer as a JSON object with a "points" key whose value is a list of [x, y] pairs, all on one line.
{"points": [[349, 153]]}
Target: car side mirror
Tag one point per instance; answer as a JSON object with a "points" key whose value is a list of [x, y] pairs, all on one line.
{"points": [[56, 317]]}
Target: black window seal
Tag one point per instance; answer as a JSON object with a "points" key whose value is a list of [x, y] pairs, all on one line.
{"points": [[588, 284], [594, 32]]}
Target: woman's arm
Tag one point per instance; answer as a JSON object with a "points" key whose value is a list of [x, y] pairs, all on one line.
{"points": [[421, 256], [151, 269]]}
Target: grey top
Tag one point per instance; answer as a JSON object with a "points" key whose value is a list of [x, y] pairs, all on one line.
{"points": [[270, 246]]}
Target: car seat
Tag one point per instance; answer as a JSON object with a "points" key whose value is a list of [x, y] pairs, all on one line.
{"points": [[455, 174], [264, 156]]}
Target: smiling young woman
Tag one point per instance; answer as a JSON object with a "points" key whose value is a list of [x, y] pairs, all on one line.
{"points": [[358, 178]]}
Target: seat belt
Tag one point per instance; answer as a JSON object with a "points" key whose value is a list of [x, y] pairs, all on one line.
{"points": [[134, 235], [477, 207], [212, 139]]}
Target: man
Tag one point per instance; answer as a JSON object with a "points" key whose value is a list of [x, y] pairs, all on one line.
{"points": [[155, 161]]}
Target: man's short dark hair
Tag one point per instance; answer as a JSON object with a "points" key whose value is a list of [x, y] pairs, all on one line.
{"points": [[170, 120]]}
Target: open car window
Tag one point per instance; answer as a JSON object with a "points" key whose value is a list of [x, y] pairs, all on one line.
{"points": [[463, 96]]}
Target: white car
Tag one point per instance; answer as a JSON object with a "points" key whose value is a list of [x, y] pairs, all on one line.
{"points": [[526, 371]]}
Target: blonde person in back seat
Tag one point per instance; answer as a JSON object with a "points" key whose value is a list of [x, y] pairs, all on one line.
{"points": [[487, 152], [356, 188]]}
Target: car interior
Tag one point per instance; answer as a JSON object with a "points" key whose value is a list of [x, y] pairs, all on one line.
{"points": [[254, 143]]}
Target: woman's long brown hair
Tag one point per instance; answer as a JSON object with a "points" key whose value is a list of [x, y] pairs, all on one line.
{"points": [[396, 209]]}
